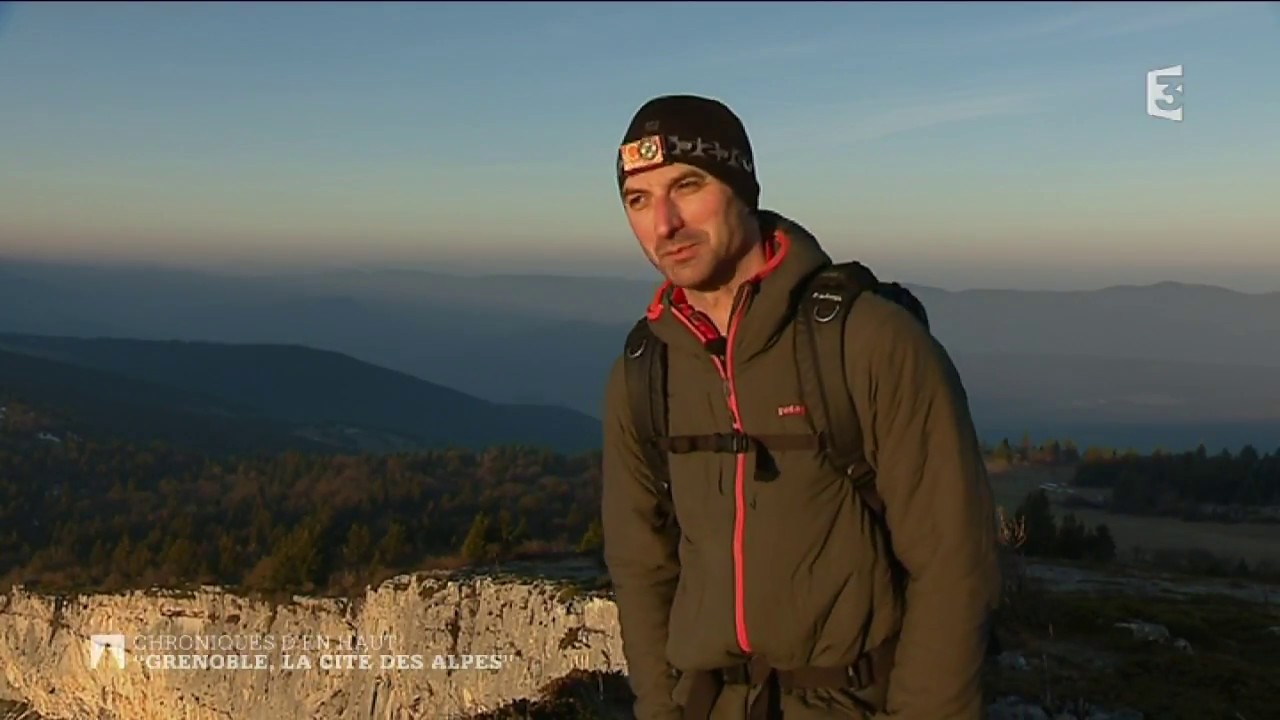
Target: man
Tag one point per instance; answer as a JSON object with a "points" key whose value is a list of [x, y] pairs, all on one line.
{"points": [[784, 574]]}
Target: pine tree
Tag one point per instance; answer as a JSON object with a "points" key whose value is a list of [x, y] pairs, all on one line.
{"points": [[1071, 538], [392, 548], [475, 548], [1003, 452], [358, 542], [509, 535], [1102, 547], [228, 566], [593, 539], [1037, 515]]}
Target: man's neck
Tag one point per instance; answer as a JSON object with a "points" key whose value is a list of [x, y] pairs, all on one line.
{"points": [[717, 304]]}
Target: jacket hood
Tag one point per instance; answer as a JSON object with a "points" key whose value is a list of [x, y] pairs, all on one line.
{"points": [[794, 254]]}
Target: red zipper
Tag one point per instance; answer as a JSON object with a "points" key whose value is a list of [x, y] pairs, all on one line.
{"points": [[739, 493], [725, 369]]}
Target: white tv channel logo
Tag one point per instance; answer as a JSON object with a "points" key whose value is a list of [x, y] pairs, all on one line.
{"points": [[1164, 93], [111, 644]]}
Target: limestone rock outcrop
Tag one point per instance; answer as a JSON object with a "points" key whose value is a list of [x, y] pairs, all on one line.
{"points": [[416, 647]]}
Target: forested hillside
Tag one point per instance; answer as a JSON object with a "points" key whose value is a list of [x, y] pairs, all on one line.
{"points": [[1192, 485], [1179, 483], [80, 513], [85, 512]]}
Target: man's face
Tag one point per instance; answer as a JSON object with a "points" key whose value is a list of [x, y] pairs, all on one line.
{"points": [[689, 224]]}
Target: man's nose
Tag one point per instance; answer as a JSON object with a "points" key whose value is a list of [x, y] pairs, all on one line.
{"points": [[666, 217]]}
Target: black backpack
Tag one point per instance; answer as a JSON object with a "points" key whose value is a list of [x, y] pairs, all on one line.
{"points": [[827, 297]]}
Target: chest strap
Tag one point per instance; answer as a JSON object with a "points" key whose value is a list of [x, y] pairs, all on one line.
{"points": [[737, 443]]}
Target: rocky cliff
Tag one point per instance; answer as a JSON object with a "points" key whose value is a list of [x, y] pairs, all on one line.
{"points": [[428, 646], [418, 646]]}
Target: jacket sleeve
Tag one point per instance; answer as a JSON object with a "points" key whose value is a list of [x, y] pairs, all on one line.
{"points": [[939, 509], [643, 566]]}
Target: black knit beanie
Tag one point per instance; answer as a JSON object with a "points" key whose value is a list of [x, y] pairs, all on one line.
{"points": [[696, 131]]}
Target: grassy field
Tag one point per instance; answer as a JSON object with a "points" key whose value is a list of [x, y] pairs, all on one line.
{"points": [[1251, 541], [1230, 670]]}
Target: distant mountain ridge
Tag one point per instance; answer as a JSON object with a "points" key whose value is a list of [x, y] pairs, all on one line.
{"points": [[105, 406], [550, 340], [300, 386]]}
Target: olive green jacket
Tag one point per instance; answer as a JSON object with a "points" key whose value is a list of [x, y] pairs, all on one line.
{"points": [[793, 568]]}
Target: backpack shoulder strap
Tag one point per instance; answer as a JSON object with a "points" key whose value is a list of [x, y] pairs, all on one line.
{"points": [[900, 294], [820, 361], [645, 367]]}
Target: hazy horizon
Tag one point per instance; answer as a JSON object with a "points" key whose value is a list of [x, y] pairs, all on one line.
{"points": [[952, 145], [1159, 364], [952, 279]]}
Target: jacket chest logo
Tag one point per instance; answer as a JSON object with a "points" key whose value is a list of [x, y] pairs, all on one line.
{"points": [[789, 410]]}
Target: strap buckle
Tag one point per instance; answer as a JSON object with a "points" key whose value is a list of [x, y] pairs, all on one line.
{"points": [[861, 673], [853, 675], [736, 443], [737, 674]]}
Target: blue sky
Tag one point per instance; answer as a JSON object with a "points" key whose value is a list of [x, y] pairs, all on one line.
{"points": [[995, 145]]}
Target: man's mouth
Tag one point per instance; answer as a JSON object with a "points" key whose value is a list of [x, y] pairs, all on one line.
{"points": [[680, 252]]}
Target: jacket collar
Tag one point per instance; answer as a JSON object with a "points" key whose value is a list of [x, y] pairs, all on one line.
{"points": [[770, 301]]}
